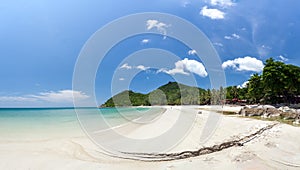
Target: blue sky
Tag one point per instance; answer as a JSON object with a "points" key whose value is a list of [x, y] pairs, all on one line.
{"points": [[41, 40]]}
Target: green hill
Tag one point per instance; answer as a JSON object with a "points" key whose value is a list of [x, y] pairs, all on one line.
{"points": [[169, 94], [279, 83]]}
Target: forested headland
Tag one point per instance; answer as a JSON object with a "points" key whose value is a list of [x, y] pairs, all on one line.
{"points": [[278, 83]]}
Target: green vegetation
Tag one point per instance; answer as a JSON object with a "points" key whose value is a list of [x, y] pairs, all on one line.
{"points": [[278, 83], [127, 98], [170, 94]]}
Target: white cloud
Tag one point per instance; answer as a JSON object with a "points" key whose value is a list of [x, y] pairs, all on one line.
{"points": [[185, 66], [212, 13], [121, 79], [283, 59], [160, 26], [61, 96], [228, 37], [126, 66], [222, 3], [244, 64], [192, 52], [236, 36], [232, 36], [16, 99], [174, 71], [139, 67], [145, 41], [218, 44], [244, 85]]}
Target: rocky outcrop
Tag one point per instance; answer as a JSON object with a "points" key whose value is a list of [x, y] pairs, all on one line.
{"points": [[252, 112], [264, 111]]}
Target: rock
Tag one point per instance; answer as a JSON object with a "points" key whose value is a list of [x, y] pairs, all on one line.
{"points": [[256, 112], [251, 106], [296, 122], [266, 107], [297, 119], [272, 112], [265, 116], [274, 115], [288, 115], [287, 109], [283, 108], [267, 111], [242, 112], [252, 112]]}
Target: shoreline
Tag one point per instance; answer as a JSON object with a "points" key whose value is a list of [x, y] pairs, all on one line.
{"points": [[271, 149]]}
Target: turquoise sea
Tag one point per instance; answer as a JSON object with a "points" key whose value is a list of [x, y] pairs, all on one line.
{"points": [[26, 122]]}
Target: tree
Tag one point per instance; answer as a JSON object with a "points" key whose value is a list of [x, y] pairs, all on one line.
{"points": [[242, 93], [273, 80], [207, 97], [291, 83], [254, 90], [278, 83], [234, 92]]}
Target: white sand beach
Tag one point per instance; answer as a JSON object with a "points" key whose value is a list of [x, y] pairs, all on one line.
{"points": [[68, 147]]}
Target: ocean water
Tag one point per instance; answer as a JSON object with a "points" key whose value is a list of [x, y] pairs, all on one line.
{"points": [[27, 122]]}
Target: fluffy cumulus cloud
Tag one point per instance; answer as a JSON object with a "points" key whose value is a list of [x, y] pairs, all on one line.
{"points": [[222, 3], [212, 13], [62, 96], [244, 64], [139, 67], [187, 66], [160, 26], [192, 52]]}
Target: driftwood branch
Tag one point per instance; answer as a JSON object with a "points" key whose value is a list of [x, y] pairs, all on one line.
{"points": [[158, 157]]}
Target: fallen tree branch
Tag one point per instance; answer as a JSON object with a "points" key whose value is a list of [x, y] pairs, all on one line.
{"points": [[158, 157]]}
